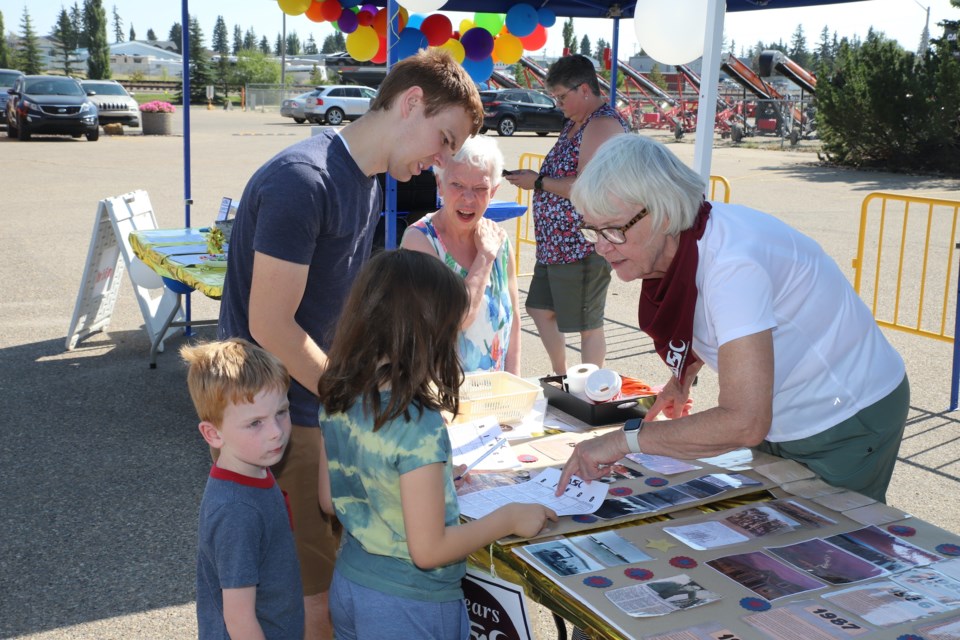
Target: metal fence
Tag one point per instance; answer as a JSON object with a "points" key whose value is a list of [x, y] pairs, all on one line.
{"points": [[268, 97]]}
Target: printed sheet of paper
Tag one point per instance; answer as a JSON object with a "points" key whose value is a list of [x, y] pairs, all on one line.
{"points": [[876, 513], [664, 465], [736, 460], [941, 630], [709, 631], [660, 597], [578, 497], [609, 548], [807, 620], [844, 501], [827, 562], [883, 549], [932, 584], [784, 471], [764, 575], [885, 603], [470, 440], [810, 488], [561, 557]]}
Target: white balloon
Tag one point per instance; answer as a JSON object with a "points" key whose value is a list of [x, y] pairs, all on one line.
{"points": [[673, 32], [422, 6]]}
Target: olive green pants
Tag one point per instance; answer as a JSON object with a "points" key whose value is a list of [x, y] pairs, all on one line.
{"points": [[860, 452]]}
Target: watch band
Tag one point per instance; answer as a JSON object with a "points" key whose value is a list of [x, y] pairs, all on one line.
{"points": [[631, 432], [538, 183]]}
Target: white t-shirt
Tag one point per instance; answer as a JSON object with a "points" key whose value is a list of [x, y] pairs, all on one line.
{"points": [[830, 358]]}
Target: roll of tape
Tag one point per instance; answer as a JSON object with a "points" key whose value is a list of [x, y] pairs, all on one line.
{"points": [[577, 377]]}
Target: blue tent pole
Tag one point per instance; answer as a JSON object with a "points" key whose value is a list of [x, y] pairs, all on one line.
{"points": [[614, 65], [956, 351], [187, 199], [390, 213]]}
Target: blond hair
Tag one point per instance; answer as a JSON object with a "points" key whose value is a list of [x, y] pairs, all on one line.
{"points": [[232, 371]]}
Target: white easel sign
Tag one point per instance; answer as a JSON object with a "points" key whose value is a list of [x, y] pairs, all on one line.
{"points": [[496, 608]]}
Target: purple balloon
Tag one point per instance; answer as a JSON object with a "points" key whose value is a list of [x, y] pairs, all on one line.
{"points": [[522, 20], [369, 8], [477, 44], [348, 22]]}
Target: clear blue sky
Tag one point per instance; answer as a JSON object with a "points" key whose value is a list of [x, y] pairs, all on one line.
{"points": [[902, 20]]}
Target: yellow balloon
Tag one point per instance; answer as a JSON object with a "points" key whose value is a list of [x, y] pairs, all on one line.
{"points": [[294, 7], [508, 48], [363, 44], [455, 48], [465, 25]]}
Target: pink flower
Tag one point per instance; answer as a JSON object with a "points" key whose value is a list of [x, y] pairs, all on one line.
{"points": [[157, 106]]}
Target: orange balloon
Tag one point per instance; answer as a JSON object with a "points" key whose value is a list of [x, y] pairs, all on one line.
{"points": [[315, 12], [508, 48], [332, 10], [380, 23], [404, 16]]}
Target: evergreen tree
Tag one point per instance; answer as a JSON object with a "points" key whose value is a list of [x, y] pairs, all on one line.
{"points": [[293, 44], [310, 48], [585, 49], [27, 54], [117, 26], [176, 36], [601, 45], [200, 73], [798, 48], [264, 45], [220, 39], [95, 24], [79, 27], [133, 34], [249, 40], [63, 39], [278, 45], [5, 58], [656, 77], [221, 45], [569, 38], [151, 36], [823, 56], [237, 39]]}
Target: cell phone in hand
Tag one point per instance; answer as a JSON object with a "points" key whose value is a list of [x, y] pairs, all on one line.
{"points": [[506, 173]]}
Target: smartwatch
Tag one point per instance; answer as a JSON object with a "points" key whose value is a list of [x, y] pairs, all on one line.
{"points": [[538, 183], [631, 430]]}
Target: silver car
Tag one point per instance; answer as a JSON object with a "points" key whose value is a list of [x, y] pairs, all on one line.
{"points": [[7, 78], [339, 102], [113, 102], [294, 107]]}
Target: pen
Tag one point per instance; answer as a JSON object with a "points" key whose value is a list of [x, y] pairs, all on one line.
{"points": [[500, 442]]}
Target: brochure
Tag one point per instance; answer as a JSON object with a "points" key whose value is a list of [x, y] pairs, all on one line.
{"points": [[661, 597], [764, 575]]}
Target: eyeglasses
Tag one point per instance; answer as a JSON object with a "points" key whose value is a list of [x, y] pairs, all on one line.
{"points": [[563, 96], [613, 235]]}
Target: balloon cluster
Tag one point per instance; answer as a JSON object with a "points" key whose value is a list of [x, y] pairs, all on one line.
{"points": [[477, 44]]}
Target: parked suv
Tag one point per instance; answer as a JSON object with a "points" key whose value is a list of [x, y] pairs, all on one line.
{"points": [[338, 102], [7, 78], [50, 104], [294, 107], [113, 102], [512, 110]]}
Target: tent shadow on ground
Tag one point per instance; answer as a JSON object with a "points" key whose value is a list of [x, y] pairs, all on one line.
{"points": [[861, 180], [101, 485]]}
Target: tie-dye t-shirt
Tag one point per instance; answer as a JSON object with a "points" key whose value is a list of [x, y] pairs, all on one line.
{"points": [[365, 470]]}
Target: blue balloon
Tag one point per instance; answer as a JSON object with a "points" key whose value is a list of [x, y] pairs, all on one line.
{"points": [[415, 20], [522, 20], [349, 4], [479, 70], [409, 42], [547, 17]]}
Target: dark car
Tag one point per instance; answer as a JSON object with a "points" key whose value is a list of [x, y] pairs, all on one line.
{"points": [[114, 104], [511, 110], [7, 78], [50, 104]]}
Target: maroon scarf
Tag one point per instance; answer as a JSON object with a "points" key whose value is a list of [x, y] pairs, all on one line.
{"points": [[667, 304]]}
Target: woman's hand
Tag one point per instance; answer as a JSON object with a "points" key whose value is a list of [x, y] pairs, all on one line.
{"points": [[590, 458], [489, 237], [522, 178], [673, 401]]}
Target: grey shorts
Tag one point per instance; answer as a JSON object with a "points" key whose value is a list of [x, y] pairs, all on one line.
{"points": [[576, 292]]}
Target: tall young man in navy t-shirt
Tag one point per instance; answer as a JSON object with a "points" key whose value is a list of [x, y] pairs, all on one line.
{"points": [[304, 227]]}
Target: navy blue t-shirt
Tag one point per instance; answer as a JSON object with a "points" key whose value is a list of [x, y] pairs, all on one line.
{"points": [[310, 204]]}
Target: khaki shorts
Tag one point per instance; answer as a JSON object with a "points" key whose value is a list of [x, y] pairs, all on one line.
{"points": [[576, 292], [316, 534]]}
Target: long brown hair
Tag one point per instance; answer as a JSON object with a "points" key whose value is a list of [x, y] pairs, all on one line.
{"points": [[397, 331]]}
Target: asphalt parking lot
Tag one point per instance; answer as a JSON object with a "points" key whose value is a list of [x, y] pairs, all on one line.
{"points": [[103, 467]]}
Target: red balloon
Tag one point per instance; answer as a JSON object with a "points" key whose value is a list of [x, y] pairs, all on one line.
{"points": [[535, 40], [381, 55], [437, 28], [315, 12], [365, 18], [331, 10], [380, 23]]}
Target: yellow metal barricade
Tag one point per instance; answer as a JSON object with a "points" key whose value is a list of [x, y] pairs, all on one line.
{"points": [[525, 234], [908, 243]]}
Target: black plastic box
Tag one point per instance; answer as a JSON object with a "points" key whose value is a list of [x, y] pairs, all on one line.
{"points": [[554, 389]]}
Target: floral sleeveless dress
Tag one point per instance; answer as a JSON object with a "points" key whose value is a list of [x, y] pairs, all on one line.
{"points": [[556, 223], [483, 345]]}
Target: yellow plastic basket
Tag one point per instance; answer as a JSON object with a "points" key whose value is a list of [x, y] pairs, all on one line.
{"points": [[496, 393]]}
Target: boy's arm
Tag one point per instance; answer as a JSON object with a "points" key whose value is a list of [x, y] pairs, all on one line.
{"points": [[240, 614], [433, 544]]}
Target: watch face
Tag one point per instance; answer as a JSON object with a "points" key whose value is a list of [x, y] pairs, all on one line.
{"points": [[633, 424]]}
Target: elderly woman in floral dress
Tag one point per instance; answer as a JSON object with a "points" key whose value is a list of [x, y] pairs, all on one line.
{"points": [[478, 250]]}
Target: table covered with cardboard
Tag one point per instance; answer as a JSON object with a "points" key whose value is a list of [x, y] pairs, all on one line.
{"points": [[739, 546]]}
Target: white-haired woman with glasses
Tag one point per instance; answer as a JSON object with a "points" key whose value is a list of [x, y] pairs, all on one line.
{"points": [[478, 250], [569, 287], [804, 371]]}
